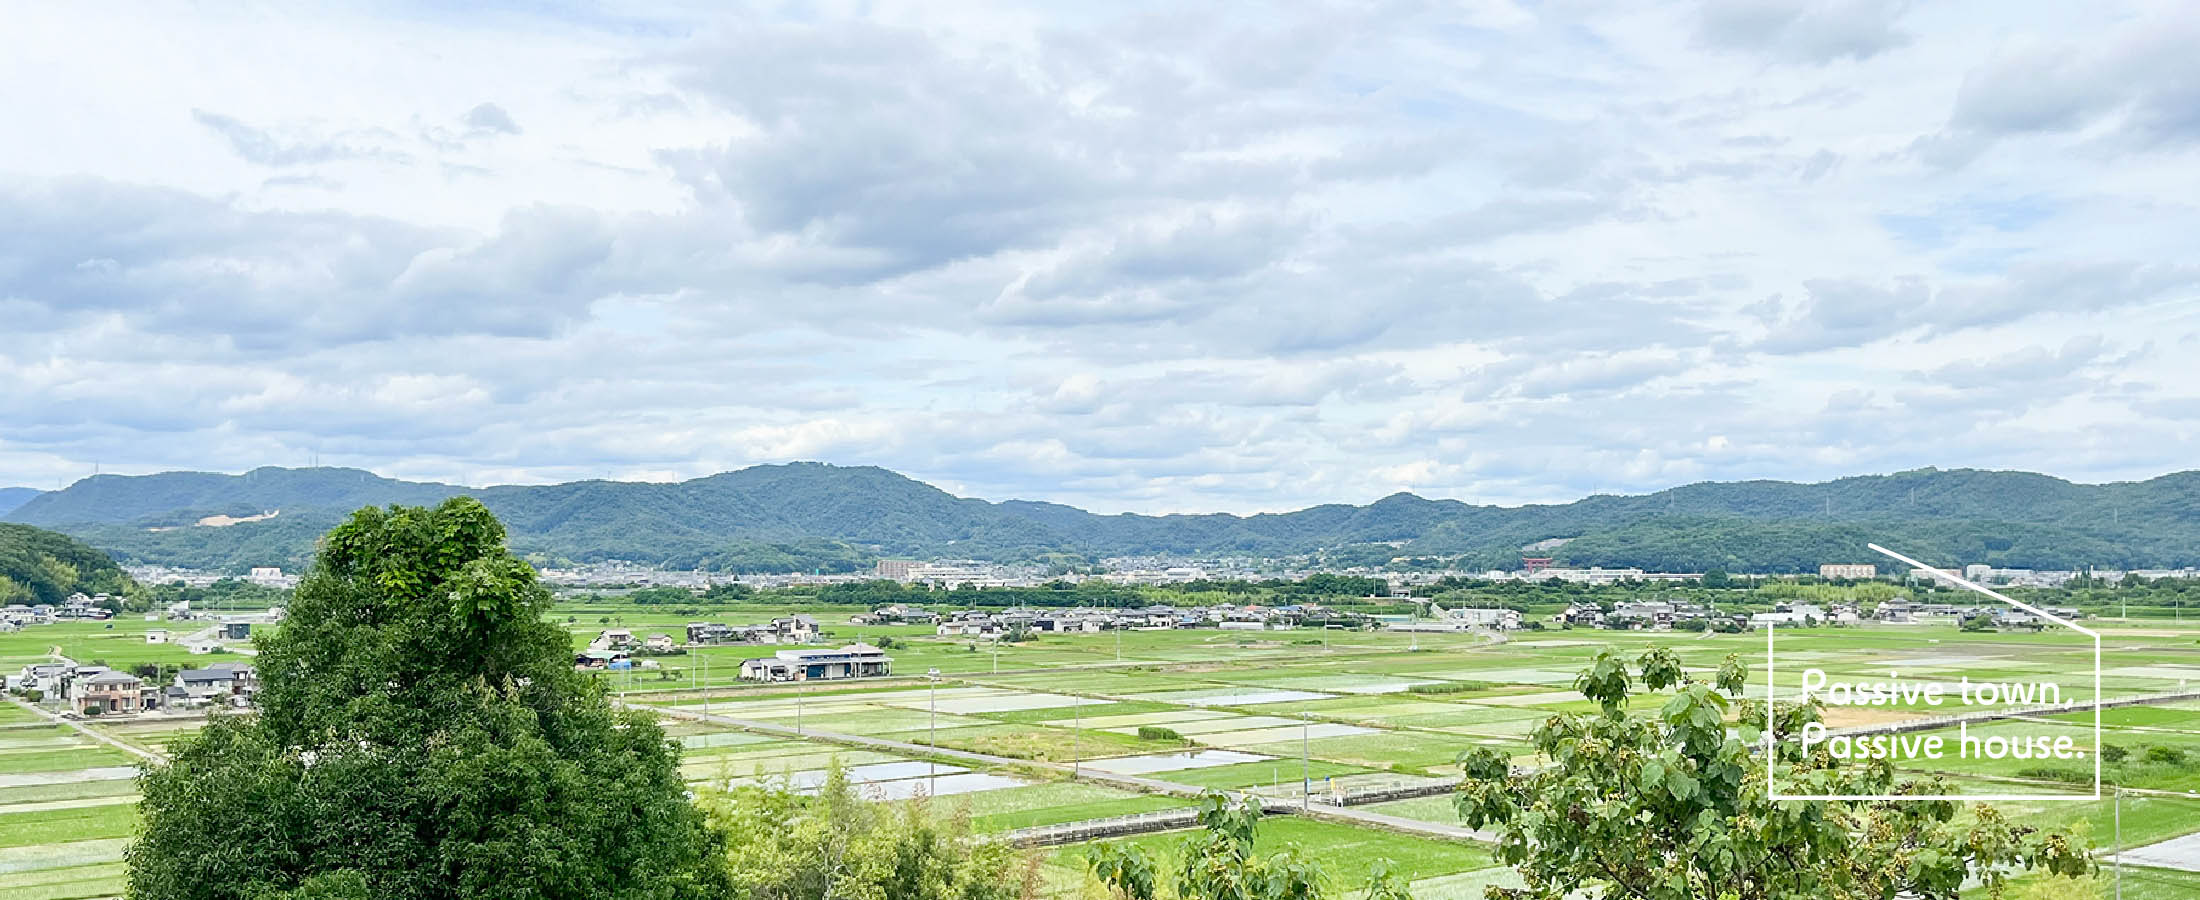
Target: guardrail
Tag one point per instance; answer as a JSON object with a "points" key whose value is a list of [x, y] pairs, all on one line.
{"points": [[1094, 829]]}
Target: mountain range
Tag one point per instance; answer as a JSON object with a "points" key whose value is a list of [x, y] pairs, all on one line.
{"points": [[814, 516], [12, 497]]}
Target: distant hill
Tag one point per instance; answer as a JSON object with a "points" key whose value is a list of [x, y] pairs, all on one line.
{"points": [[39, 566], [10, 498], [835, 518]]}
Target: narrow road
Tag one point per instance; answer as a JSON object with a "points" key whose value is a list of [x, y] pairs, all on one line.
{"points": [[1139, 783], [118, 744]]}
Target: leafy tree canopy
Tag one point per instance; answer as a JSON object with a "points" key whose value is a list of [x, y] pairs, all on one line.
{"points": [[786, 846], [39, 566], [422, 734], [1670, 806]]}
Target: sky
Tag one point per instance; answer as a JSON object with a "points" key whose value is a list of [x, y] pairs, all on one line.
{"points": [[1156, 258]]}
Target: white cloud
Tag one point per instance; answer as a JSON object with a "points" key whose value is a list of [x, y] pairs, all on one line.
{"points": [[1158, 258]]}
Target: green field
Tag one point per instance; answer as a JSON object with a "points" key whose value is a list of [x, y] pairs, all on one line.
{"points": [[1339, 706]]}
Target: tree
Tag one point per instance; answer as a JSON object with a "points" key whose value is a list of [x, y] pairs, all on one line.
{"points": [[1219, 863], [422, 735], [786, 846], [1672, 807]]}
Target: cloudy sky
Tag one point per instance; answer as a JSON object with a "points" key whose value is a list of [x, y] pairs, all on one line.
{"points": [[1245, 258]]}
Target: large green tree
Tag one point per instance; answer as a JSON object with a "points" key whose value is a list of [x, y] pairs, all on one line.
{"points": [[1674, 806], [422, 734]]}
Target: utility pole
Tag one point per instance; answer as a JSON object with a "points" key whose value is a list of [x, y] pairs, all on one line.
{"points": [[1076, 736], [2119, 843], [1306, 753], [934, 677], [798, 706]]}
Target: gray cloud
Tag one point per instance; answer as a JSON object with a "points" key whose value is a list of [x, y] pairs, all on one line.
{"points": [[1805, 31], [489, 118], [257, 145], [2141, 85]]}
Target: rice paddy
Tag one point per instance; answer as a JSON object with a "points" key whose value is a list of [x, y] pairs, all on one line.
{"points": [[1267, 712]]}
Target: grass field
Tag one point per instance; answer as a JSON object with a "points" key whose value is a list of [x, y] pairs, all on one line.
{"points": [[1341, 706]]}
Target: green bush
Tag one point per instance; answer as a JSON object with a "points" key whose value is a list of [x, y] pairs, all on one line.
{"points": [[1158, 733], [1451, 687], [2114, 753], [2161, 754], [2051, 773]]}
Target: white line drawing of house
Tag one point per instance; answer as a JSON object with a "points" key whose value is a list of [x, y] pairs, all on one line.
{"points": [[1771, 692]]}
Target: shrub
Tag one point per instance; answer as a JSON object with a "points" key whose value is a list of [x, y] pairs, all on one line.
{"points": [[2114, 753], [1158, 733], [1451, 687], [2051, 773], [2161, 754]]}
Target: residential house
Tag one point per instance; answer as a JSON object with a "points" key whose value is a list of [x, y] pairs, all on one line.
{"points": [[1651, 615], [603, 659], [710, 633], [46, 678], [852, 661], [96, 691], [796, 629], [216, 683], [902, 613]]}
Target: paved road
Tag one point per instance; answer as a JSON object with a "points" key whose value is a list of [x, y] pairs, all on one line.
{"points": [[1138, 783], [2176, 853]]}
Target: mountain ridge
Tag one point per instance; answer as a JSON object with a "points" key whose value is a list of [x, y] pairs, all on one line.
{"points": [[12, 497], [840, 516]]}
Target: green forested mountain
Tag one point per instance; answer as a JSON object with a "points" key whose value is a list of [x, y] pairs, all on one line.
{"points": [[40, 566], [816, 516]]}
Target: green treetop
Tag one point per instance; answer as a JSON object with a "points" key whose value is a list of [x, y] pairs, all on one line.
{"points": [[422, 734], [1672, 806]]}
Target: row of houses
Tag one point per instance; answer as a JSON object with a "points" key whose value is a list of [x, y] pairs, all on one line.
{"points": [[795, 629], [77, 608], [985, 624], [99, 690]]}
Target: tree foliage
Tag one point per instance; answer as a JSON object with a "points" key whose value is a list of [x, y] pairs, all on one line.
{"points": [[1671, 806], [1218, 862], [39, 566], [422, 734], [782, 845]]}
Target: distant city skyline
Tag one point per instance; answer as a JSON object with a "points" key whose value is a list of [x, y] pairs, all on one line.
{"points": [[1143, 259]]}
